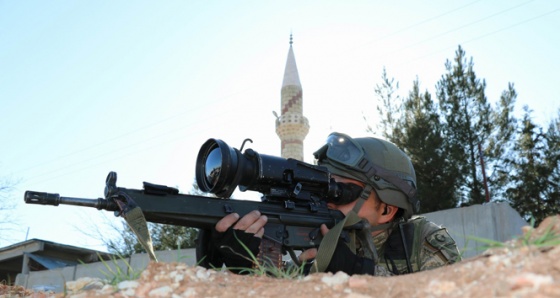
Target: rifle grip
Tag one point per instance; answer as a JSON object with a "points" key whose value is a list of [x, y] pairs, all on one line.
{"points": [[41, 198]]}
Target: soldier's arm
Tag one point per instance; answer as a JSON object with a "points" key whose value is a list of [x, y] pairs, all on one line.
{"points": [[439, 249]]}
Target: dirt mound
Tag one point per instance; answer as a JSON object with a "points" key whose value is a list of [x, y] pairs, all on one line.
{"points": [[526, 267]]}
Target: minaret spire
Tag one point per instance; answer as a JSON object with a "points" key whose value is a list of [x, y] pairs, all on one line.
{"points": [[291, 126]]}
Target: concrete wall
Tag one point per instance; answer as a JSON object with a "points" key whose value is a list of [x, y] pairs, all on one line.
{"points": [[494, 221], [54, 280]]}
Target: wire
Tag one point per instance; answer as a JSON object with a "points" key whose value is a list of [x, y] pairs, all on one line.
{"points": [[484, 35], [418, 24], [190, 108], [393, 52]]}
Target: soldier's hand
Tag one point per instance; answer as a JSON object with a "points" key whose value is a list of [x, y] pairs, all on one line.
{"points": [[238, 240], [253, 223], [343, 259], [311, 253]]}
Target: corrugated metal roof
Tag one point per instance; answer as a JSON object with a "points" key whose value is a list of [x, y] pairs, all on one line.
{"points": [[50, 262]]}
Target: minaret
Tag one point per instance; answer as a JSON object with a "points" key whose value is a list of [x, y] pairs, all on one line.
{"points": [[291, 125]]}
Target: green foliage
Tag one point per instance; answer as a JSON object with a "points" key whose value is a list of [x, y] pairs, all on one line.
{"points": [[459, 141], [414, 125], [164, 237], [549, 238], [390, 108], [534, 190], [487, 243], [115, 274], [267, 268], [501, 143], [467, 119], [420, 132]]}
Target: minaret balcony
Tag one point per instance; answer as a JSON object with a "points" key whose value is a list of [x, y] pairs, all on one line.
{"points": [[290, 119]]}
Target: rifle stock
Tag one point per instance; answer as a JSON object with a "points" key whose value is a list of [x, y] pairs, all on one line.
{"points": [[295, 226]]}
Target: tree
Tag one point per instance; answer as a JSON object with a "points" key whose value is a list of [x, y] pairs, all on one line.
{"points": [[390, 108], [501, 143], [164, 237], [445, 143], [420, 134], [414, 125], [468, 123], [524, 194], [453, 141], [7, 219], [534, 192], [551, 191]]}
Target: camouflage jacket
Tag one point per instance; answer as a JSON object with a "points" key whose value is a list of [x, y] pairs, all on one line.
{"points": [[427, 245]]}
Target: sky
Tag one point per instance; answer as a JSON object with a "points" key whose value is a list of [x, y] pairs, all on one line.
{"points": [[89, 87]]}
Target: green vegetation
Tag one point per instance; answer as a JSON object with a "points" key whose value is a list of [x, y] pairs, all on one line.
{"points": [[465, 147], [466, 150], [547, 238], [114, 274], [267, 268]]}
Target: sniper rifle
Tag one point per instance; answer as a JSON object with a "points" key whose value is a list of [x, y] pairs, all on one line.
{"points": [[294, 198]]}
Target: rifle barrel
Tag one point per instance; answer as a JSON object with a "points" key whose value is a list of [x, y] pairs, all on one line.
{"points": [[54, 199]]}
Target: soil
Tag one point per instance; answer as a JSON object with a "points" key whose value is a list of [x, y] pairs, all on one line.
{"points": [[520, 268]]}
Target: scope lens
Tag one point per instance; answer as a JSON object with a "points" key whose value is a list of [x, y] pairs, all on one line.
{"points": [[213, 167]]}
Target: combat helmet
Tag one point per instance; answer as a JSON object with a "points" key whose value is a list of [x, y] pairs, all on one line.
{"points": [[377, 163]]}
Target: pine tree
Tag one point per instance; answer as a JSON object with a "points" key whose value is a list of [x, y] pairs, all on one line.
{"points": [[528, 175], [535, 177], [390, 107], [501, 143], [468, 123], [420, 135], [552, 164], [414, 125], [445, 144]]}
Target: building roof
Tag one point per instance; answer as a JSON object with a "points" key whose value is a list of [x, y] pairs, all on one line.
{"points": [[45, 255]]}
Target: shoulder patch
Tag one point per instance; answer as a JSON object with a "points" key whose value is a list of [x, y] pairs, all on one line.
{"points": [[442, 242]]}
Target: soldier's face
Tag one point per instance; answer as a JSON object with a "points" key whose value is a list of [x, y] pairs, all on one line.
{"points": [[371, 209]]}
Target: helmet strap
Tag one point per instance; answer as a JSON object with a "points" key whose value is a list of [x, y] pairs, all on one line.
{"points": [[364, 195], [360, 202]]}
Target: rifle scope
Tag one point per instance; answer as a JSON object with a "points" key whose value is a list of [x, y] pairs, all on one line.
{"points": [[221, 168]]}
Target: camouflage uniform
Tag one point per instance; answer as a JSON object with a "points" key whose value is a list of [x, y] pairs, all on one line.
{"points": [[427, 244], [410, 245]]}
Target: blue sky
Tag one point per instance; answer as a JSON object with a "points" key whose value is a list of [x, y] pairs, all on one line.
{"points": [[88, 87]]}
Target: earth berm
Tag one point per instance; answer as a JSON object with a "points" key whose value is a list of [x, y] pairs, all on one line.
{"points": [[525, 267]]}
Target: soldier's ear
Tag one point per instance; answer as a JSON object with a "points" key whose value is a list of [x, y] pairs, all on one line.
{"points": [[385, 211], [389, 212]]}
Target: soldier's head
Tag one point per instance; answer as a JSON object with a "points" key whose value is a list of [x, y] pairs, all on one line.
{"points": [[379, 166]]}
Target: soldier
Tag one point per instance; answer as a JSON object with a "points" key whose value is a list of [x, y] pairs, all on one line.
{"points": [[383, 182]]}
